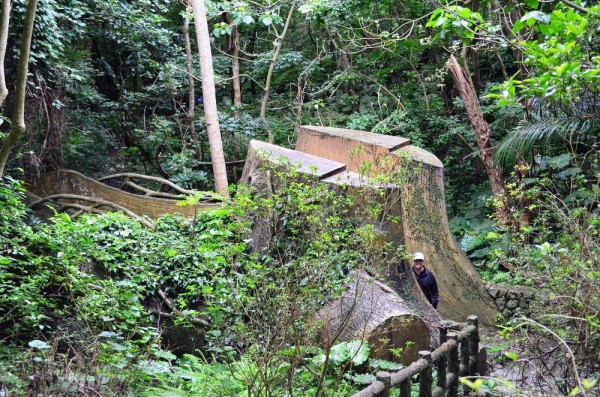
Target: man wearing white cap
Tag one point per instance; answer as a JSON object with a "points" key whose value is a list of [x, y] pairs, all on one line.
{"points": [[426, 279]]}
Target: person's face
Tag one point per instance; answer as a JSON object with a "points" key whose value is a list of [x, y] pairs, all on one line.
{"points": [[418, 265]]}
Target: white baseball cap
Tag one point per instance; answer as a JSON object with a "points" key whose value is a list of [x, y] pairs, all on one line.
{"points": [[418, 256]]}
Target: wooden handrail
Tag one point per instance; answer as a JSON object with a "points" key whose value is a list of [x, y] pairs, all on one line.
{"points": [[450, 365]]}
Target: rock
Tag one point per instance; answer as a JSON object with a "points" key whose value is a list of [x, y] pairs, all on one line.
{"points": [[507, 313], [493, 290], [512, 304], [523, 304], [500, 303], [501, 291]]}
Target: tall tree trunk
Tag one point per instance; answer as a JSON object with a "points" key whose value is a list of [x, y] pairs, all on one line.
{"points": [[267, 89], [18, 118], [210, 98], [349, 87], [3, 40], [474, 53], [482, 133], [234, 51], [191, 112]]}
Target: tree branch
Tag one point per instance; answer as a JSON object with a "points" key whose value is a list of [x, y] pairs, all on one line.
{"points": [[91, 209]]}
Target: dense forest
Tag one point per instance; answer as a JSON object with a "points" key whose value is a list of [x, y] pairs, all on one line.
{"points": [[94, 303]]}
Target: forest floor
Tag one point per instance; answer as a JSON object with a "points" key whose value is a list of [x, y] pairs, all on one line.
{"points": [[506, 362]]}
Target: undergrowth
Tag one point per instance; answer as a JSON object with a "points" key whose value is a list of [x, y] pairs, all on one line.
{"points": [[84, 301]]}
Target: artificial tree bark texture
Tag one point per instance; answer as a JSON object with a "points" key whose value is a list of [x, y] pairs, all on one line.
{"points": [[18, 118], [412, 198], [370, 310], [482, 133], [209, 98]]}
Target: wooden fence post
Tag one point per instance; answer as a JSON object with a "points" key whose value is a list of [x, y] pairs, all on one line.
{"points": [[464, 361], [464, 357], [453, 358], [386, 378], [473, 345], [405, 387], [453, 367], [442, 363], [425, 377]]}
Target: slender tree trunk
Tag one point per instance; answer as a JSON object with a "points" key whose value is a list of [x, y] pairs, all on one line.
{"points": [[210, 98], [349, 87], [191, 112], [3, 41], [18, 119], [267, 89], [234, 51], [482, 133], [474, 53]]}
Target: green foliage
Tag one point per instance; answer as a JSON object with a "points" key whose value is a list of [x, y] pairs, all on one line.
{"points": [[349, 370], [566, 65], [89, 282], [529, 137], [556, 253], [455, 20]]}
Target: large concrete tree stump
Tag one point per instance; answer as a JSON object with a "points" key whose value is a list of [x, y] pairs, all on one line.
{"points": [[412, 180]]}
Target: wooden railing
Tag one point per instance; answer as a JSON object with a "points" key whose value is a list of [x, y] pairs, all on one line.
{"points": [[456, 357]]}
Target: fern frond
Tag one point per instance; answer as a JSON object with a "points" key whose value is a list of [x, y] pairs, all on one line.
{"points": [[530, 136]]}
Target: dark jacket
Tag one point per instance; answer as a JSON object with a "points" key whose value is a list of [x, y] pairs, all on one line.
{"points": [[428, 285]]}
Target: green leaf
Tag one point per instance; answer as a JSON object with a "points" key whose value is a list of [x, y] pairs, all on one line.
{"points": [[118, 347], [476, 385], [339, 353], [513, 356], [38, 344], [165, 354], [535, 16], [589, 384], [558, 162], [364, 379], [358, 351], [384, 364]]}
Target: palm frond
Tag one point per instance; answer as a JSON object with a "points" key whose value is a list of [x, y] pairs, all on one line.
{"points": [[533, 136]]}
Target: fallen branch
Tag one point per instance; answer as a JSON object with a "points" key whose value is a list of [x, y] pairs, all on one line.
{"points": [[151, 193], [148, 178], [127, 212], [84, 209], [227, 163], [176, 311]]}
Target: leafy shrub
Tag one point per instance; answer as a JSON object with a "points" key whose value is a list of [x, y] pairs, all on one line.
{"points": [[557, 253]]}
